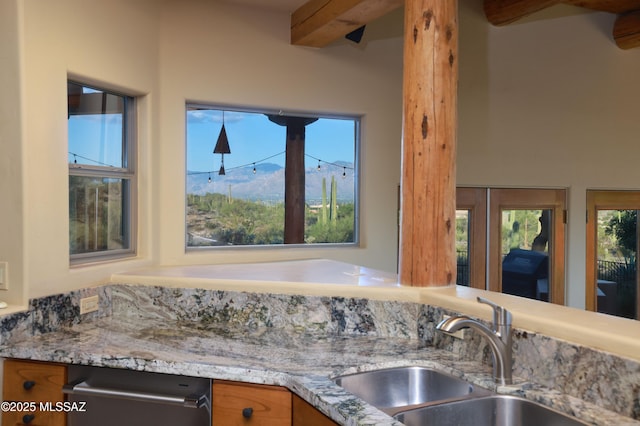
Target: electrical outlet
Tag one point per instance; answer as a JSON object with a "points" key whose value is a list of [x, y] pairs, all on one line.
{"points": [[4, 275], [458, 334], [88, 304]]}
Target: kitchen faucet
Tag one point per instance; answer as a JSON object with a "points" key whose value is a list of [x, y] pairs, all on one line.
{"points": [[499, 337]]}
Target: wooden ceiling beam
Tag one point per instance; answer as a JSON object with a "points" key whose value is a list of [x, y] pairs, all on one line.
{"points": [[626, 30], [612, 6], [503, 12], [319, 22]]}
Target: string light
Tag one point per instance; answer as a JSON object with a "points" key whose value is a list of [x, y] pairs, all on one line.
{"points": [[254, 163], [76, 156], [344, 168], [242, 165]]}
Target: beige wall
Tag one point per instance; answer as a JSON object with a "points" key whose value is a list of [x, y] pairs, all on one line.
{"points": [[169, 52], [557, 89], [11, 171], [111, 43], [212, 52], [549, 103]]}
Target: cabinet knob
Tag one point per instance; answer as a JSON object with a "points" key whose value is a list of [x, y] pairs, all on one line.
{"points": [[247, 412], [28, 418], [28, 384]]}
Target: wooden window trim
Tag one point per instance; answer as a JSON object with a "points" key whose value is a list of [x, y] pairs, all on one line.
{"points": [[507, 198], [603, 200], [475, 201]]}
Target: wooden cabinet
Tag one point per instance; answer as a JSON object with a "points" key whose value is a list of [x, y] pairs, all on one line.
{"points": [[236, 404], [233, 403], [244, 404], [305, 414], [29, 383]]}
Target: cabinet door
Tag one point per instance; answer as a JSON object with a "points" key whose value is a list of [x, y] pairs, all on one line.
{"points": [[33, 382], [35, 418], [248, 404], [304, 414]]}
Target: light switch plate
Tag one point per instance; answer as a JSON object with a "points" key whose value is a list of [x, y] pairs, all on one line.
{"points": [[89, 304], [4, 275]]}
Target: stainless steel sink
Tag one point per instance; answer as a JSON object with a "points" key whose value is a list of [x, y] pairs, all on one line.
{"points": [[400, 388], [495, 410]]}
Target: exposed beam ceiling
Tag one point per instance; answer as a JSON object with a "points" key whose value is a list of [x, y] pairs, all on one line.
{"points": [[626, 31], [612, 6], [320, 22], [503, 12]]}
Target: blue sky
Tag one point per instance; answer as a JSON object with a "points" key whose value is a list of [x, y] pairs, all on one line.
{"points": [[97, 140], [253, 138]]}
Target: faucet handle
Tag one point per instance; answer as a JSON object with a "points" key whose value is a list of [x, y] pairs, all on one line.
{"points": [[500, 315]]}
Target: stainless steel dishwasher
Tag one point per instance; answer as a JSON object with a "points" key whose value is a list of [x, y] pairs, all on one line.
{"points": [[109, 396]]}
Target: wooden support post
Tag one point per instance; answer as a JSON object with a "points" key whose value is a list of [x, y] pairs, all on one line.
{"points": [[294, 179], [294, 176], [427, 239]]}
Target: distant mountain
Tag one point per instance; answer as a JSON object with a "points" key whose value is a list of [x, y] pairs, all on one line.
{"points": [[267, 183]]}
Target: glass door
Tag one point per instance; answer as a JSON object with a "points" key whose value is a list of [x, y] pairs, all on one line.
{"points": [[524, 252], [612, 252], [526, 243], [471, 236]]}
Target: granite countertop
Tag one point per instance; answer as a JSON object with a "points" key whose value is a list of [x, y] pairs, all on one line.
{"points": [[300, 342], [303, 362]]}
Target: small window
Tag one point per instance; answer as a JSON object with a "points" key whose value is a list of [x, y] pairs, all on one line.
{"points": [[258, 178], [101, 173]]}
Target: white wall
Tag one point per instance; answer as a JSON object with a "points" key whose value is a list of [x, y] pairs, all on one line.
{"points": [[549, 103], [217, 53]]}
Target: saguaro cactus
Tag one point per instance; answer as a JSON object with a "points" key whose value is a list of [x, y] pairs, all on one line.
{"points": [[334, 200], [324, 201]]}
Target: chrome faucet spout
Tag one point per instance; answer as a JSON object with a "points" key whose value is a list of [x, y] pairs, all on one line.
{"points": [[499, 338]]}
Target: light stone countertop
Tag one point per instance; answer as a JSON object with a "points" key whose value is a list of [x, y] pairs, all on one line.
{"points": [[301, 361], [304, 362], [167, 333], [322, 277]]}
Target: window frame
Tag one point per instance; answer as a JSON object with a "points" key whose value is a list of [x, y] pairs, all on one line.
{"points": [[357, 119], [127, 174], [474, 200], [604, 200], [529, 198]]}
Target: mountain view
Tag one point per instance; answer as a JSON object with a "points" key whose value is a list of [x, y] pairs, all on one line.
{"points": [[246, 205], [247, 208], [267, 183]]}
